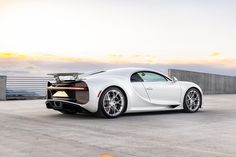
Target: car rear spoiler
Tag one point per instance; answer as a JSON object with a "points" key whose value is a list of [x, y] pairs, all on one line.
{"points": [[57, 75]]}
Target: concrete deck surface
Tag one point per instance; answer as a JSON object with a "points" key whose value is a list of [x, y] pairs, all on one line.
{"points": [[28, 129]]}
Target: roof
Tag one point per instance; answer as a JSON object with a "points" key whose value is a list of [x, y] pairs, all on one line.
{"points": [[128, 71]]}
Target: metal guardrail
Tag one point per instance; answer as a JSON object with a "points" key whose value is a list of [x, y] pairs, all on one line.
{"points": [[26, 87]]}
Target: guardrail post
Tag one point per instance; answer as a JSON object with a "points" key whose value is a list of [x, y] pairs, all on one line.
{"points": [[3, 87]]}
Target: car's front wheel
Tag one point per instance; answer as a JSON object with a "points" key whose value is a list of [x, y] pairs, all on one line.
{"points": [[192, 100], [112, 103]]}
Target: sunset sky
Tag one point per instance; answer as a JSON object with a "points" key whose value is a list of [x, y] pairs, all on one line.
{"points": [[42, 36]]}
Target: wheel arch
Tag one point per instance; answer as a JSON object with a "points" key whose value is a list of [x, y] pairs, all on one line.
{"points": [[193, 87], [126, 97]]}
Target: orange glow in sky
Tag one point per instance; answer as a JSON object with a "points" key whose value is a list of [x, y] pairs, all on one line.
{"points": [[119, 32]]}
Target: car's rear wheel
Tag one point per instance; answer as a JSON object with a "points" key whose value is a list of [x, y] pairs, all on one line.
{"points": [[112, 103], [192, 100]]}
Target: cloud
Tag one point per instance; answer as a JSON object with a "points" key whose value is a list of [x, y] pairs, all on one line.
{"points": [[108, 58], [215, 54], [42, 64], [42, 68]]}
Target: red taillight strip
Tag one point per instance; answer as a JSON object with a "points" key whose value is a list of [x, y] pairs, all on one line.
{"points": [[67, 88]]}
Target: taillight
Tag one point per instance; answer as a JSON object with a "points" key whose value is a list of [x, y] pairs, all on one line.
{"points": [[69, 88], [82, 96], [79, 86], [82, 85]]}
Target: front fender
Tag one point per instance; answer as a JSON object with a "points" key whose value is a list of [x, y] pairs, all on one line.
{"points": [[185, 86]]}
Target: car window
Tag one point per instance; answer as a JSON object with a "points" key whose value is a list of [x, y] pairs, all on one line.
{"points": [[151, 77], [136, 78]]}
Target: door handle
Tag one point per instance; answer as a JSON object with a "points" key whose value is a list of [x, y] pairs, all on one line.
{"points": [[149, 88]]}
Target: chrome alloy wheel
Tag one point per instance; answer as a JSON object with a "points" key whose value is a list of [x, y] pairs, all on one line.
{"points": [[113, 102], [193, 100]]}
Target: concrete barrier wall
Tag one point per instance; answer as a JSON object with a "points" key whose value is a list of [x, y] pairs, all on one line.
{"points": [[23, 87], [26, 87], [210, 83], [3, 81]]}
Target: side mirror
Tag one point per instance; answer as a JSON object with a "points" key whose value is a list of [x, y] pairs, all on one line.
{"points": [[174, 79]]}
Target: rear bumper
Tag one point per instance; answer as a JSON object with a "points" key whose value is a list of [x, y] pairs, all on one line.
{"points": [[64, 105], [62, 94]]}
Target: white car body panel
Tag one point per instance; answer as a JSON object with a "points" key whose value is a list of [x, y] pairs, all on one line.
{"points": [[140, 98], [163, 93]]}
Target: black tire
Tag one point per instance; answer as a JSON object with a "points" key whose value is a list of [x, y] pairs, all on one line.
{"points": [[190, 108], [101, 109]]}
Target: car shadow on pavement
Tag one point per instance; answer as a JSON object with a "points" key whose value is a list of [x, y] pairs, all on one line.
{"points": [[73, 116], [154, 113], [90, 116]]}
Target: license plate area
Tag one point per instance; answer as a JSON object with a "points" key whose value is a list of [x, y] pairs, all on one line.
{"points": [[62, 94]]}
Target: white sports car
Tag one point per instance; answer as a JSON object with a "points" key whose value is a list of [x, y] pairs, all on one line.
{"points": [[113, 92]]}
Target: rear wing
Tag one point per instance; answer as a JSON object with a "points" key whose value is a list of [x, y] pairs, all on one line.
{"points": [[67, 76]]}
